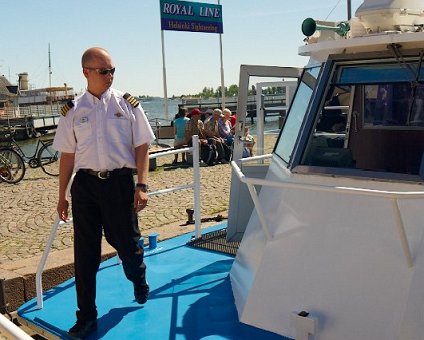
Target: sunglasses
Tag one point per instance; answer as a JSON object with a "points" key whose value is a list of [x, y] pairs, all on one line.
{"points": [[102, 71]]}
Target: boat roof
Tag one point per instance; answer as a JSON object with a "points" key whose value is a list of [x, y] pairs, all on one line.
{"points": [[370, 43]]}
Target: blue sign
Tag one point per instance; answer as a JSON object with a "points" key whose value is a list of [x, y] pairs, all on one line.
{"points": [[190, 16]]}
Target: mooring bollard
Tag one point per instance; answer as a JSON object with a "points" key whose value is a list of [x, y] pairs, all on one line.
{"points": [[153, 240], [190, 213]]}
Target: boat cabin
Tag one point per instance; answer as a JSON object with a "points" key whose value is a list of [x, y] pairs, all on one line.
{"points": [[366, 119]]}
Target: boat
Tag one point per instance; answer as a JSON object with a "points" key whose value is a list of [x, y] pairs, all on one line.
{"points": [[31, 111], [334, 247], [328, 227]]}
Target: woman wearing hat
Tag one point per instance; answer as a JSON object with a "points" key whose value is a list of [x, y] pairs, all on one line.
{"points": [[194, 127]]}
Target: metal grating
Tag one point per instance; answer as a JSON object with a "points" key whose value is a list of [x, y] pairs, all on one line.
{"points": [[215, 241]]}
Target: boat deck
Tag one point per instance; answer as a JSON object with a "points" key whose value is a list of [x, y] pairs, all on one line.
{"points": [[190, 298]]}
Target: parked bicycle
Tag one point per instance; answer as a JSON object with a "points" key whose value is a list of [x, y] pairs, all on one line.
{"points": [[13, 158], [12, 166]]}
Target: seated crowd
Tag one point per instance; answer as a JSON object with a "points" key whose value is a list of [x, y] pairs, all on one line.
{"points": [[215, 129]]}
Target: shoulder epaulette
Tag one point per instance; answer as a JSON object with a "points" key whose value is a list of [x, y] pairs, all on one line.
{"points": [[130, 99], [65, 108]]}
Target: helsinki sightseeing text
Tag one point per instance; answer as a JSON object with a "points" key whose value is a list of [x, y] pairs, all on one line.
{"points": [[175, 25]]}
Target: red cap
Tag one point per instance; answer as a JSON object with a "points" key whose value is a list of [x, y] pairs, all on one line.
{"points": [[196, 112]]}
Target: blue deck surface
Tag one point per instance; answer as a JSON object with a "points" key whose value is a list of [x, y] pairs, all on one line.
{"points": [[190, 298]]}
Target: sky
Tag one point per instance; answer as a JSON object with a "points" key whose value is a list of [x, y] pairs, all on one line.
{"points": [[256, 32]]}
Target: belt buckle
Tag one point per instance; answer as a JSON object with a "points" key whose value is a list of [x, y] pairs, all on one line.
{"points": [[103, 174]]}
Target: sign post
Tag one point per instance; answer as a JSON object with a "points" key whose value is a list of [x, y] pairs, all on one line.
{"points": [[222, 71]]}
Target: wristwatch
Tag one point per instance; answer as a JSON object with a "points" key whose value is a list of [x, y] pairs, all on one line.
{"points": [[143, 187]]}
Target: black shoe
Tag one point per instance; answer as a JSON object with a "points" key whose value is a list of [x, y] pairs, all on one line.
{"points": [[82, 328], [141, 293]]}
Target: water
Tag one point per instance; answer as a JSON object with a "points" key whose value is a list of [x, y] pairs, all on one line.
{"points": [[29, 146], [155, 110]]}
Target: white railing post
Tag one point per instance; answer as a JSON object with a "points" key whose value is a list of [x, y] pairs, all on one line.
{"points": [[41, 264], [196, 185], [402, 233], [43, 260]]}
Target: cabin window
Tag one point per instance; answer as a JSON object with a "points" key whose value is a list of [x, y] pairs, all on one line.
{"points": [[380, 73], [326, 147], [393, 105], [370, 123], [393, 93], [296, 115]]}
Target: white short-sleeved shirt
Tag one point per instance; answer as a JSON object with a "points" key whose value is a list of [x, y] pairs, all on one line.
{"points": [[103, 132]]}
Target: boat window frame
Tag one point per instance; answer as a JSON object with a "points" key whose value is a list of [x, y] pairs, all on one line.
{"points": [[397, 68], [330, 67], [298, 139]]}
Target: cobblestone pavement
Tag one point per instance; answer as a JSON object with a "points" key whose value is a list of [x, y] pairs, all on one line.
{"points": [[28, 209]]}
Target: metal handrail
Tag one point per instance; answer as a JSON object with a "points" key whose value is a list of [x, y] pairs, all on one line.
{"points": [[195, 185], [11, 331], [393, 196]]}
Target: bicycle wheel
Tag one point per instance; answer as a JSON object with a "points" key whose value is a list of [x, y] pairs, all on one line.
{"points": [[12, 166], [48, 159]]}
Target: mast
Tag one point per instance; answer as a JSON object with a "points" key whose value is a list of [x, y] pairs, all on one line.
{"points": [[50, 69], [349, 9]]}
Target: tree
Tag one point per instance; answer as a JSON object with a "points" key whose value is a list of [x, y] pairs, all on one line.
{"points": [[207, 92], [233, 90]]}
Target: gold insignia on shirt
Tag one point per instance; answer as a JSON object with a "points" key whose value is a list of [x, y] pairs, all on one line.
{"points": [[65, 108], [118, 114], [130, 99]]}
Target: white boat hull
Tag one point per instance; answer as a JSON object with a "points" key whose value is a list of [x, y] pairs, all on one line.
{"points": [[337, 256]]}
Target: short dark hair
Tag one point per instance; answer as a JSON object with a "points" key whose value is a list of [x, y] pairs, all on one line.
{"points": [[182, 111]]}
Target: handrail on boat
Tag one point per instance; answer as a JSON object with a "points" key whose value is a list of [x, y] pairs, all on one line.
{"points": [[195, 185], [11, 331], [393, 196]]}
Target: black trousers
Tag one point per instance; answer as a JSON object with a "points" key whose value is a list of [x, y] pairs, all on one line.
{"points": [[103, 205]]}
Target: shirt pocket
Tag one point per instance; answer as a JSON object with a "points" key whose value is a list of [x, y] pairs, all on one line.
{"points": [[119, 130], [83, 133]]}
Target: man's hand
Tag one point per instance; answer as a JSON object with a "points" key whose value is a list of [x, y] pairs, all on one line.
{"points": [[140, 200], [62, 209]]}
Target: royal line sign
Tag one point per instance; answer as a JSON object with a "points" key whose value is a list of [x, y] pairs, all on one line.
{"points": [[190, 16]]}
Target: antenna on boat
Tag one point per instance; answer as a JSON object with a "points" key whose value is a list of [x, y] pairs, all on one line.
{"points": [[50, 69]]}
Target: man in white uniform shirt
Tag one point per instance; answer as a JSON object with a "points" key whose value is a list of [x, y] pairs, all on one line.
{"points": [[102, 136]]}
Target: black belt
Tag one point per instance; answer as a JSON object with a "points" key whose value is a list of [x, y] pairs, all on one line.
{"points": [[105, 174]]}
